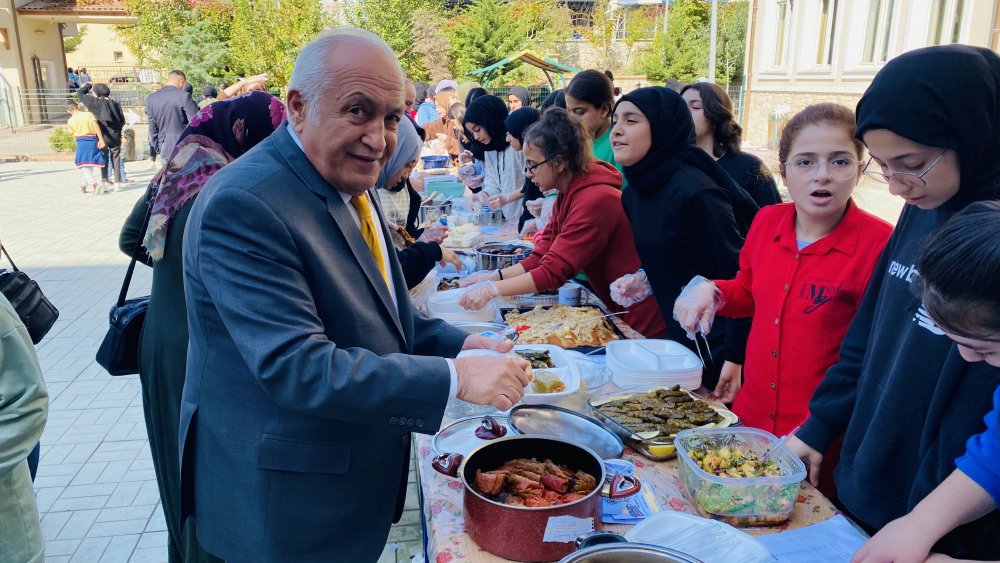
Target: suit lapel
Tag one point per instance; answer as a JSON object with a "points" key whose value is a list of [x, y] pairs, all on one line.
{"points": [[301, 167]]}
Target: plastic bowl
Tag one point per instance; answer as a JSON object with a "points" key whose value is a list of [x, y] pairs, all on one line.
{"points": [[752, 501], [433, 162]]}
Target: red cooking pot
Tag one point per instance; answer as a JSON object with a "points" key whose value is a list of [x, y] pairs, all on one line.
{"points": [[519, 532]]}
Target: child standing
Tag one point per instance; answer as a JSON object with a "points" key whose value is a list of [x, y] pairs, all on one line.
{"points": [[803, 270], [960, 273], [89, 145]]}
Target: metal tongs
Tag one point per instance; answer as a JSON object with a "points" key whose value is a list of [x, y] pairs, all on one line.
{"points": [[697, 344]]}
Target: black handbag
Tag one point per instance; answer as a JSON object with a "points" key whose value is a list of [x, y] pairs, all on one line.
{"points": [[119, 352], [36, 312]]}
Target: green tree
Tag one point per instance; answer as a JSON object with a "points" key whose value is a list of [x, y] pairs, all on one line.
{"points": [[601, 34], [731, 46], [71, 43], [198, 52], [431, 43], [487, 31], [266, 36], [394, 21], [640, 25], [158, 21], [682, 53]]}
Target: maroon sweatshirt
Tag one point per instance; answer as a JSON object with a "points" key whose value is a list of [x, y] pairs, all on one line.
{"points": [[589, 233]]}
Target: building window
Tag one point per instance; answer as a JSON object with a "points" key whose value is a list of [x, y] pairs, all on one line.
{"points": [[879, 30], [119, 56], [946, 21], [781, 40], [827, 31]]}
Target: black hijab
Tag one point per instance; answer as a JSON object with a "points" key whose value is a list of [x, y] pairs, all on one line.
{"points": [[519, 120], [673, 144], [555, 99], [478, 92], [489, 112], [521, 93], [948, 97]]}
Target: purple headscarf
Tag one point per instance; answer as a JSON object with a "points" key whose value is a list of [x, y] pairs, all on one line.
{"points": [[218, 134]]}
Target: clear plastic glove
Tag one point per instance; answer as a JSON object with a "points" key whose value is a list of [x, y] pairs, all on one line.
{"points": [[530, 229], [479, 277], [479, 295], [535, 207], [631, 289], [449, 256], [697, 305], [466, 157], [473, 182], [435, 232], [497, 201]]}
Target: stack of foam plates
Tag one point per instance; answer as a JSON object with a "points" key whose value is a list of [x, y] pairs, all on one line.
{"points": [[444, 305], [653, 363]]}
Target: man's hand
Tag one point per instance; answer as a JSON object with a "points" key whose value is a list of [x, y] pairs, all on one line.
{"points": [[480, 342], [903, 540], [730, 381], [492, 380], [813, 458], [449, 256]]}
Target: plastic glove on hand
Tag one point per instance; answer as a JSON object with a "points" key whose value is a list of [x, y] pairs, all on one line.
{"points": [[535, 207], [436, 232], [530, 229], [697, 305], [631, 289], [478, 296], [479, 277]]}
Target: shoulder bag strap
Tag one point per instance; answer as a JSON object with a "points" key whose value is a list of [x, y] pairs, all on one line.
{"points": [[9, 259], [135, 252]]}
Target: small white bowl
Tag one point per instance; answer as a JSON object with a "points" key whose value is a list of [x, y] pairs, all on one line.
{"points": [[568, 376]]}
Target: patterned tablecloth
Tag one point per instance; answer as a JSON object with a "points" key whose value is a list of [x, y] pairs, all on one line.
{"points": [[445, 526]]}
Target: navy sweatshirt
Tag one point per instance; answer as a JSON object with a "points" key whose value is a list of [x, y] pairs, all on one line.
{"points": [[903, 399]]}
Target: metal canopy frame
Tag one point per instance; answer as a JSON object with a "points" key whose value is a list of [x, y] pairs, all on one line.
{"points": [[548, 66]]}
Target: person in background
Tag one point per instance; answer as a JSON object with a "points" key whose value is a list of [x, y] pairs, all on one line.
{"points": [[189, 90], [803, 271], [720, 136], [218, 135], [426, 109], [931, 122], [418, 249], [84, 76], [24, 406], [555, 99], [441, 129], [518, 97], [588, 231], [960, 271], [410, 101], [169, 111], [673, 84], [446, 85], [533, 199], [108, 112], [503, 166], [89, 145], [209, 94], [72, 81], [688, 219], [255, 83], [590, 98]]}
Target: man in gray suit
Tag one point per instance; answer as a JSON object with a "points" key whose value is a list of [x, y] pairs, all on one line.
{"points": [[308, 367], [169, 111]]}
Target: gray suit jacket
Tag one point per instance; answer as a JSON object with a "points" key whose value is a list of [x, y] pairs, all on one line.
{"points": [[169, 110], [303, 382]]}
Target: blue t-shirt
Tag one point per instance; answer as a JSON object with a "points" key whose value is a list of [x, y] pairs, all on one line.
{"points": [[983, 452]]}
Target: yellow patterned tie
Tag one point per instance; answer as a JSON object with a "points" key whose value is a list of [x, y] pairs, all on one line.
{"points": [[368, 232]]}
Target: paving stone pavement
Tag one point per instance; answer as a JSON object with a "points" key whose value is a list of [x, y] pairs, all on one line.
{"points": [[96, 489]]}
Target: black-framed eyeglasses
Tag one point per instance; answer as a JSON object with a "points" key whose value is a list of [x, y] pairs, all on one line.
{"points": [[911, 179], [531, 169]]}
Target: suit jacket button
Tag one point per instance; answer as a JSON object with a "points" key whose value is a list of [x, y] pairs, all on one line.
{"points": [[393, 420], [410, 423], [420, 423]]}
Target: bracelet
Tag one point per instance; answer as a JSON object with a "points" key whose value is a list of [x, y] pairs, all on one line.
{"points": [[500, 273]]}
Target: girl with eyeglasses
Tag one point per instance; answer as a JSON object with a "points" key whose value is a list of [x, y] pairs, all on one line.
{"points": [[960, 271], [803, 270], [588, 230], [688, 218], [901, 395]]}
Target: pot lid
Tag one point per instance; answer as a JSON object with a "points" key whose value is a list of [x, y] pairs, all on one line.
{"points": [[548, 420], [460, 437], [628, 553]]}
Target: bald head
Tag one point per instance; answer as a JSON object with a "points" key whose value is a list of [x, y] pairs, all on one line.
{"points": [[345, 100]]}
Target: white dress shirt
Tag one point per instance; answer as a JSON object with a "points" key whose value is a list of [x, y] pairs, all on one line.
{"points": [[383, 248]]}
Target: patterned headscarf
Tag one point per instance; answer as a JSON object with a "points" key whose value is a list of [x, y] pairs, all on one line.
{"points": [[217, 135]]}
